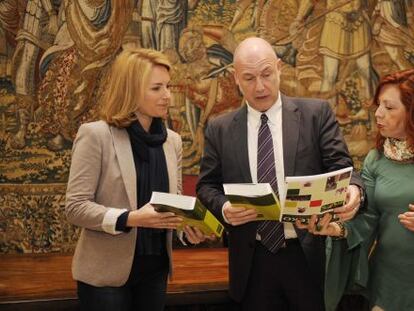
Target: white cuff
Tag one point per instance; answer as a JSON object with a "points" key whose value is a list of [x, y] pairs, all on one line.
{"points": [[110, 219], [222, 212]]}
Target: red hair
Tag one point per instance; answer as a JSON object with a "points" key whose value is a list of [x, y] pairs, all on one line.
{"points": [[404, 80]]}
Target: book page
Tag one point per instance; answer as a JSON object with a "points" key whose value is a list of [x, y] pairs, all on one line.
{"points": [[183, 202], [248, 190], [315, 194]]}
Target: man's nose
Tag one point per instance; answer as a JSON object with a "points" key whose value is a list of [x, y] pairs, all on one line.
{"points": [[259, 85]]}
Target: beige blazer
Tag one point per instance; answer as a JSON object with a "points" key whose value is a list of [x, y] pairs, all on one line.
{"points": [[102, 182]]}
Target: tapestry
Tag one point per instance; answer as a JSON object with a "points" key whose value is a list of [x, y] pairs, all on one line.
{"points": [[54, 55]]}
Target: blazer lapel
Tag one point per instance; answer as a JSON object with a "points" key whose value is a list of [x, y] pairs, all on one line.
{"points": [[239, 140], [290, 124], [126, 163], [171, 161]]}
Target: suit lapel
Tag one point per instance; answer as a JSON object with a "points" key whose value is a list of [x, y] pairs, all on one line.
{"points": [[290, 124], [126, 163], [239, 140]]}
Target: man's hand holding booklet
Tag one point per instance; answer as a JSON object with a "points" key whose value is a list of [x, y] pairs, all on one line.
{"points": [[258, 196], [302, 197]]}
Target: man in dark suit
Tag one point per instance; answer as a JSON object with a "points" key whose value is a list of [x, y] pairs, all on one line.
{"points": [[273, 266]]}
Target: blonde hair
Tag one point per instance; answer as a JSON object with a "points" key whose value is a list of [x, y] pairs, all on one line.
{"points": [[127, 80]]}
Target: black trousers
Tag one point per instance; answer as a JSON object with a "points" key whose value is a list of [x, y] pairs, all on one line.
{"points": [[145, 290], [281, 282]]}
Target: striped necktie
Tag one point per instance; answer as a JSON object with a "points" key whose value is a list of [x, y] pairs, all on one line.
{"points": [[271, 232]]}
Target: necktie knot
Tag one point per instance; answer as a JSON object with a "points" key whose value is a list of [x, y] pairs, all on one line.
{"points": [[264, 118]]}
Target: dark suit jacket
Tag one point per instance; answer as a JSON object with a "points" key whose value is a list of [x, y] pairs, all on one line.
{"points": [[312, 144]]}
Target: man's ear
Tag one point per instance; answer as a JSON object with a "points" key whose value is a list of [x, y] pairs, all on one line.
{"points": [[240, 91], [236, 77], [278, 64]]}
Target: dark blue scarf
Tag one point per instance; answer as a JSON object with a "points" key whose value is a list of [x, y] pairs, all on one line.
{"points": [[152, 175]]}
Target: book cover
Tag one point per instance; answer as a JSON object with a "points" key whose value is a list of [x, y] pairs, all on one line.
{"points": [[257, 196], [315, 194], [190, 209]]}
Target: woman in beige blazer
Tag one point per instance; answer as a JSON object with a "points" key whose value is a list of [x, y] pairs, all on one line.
{"points": [[123, 255]]}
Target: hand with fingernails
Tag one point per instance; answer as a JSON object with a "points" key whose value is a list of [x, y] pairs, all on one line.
{"points": [[322, 226], [196, 236], [148, 217], [351, 206], [407, 218]]}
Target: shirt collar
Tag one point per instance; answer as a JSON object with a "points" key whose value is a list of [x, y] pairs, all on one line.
{"points": [[253, 115]]}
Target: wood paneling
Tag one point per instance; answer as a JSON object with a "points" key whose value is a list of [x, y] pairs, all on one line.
{"points": [[26, 277]]}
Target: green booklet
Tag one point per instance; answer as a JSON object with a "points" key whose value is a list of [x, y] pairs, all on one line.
{"points": [[257, 196], [190, 209]]}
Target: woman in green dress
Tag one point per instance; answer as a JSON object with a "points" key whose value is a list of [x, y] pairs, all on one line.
{"points": [[388, 174]]}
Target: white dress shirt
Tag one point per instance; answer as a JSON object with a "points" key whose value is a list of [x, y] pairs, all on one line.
{"points": [[274, 115]]}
